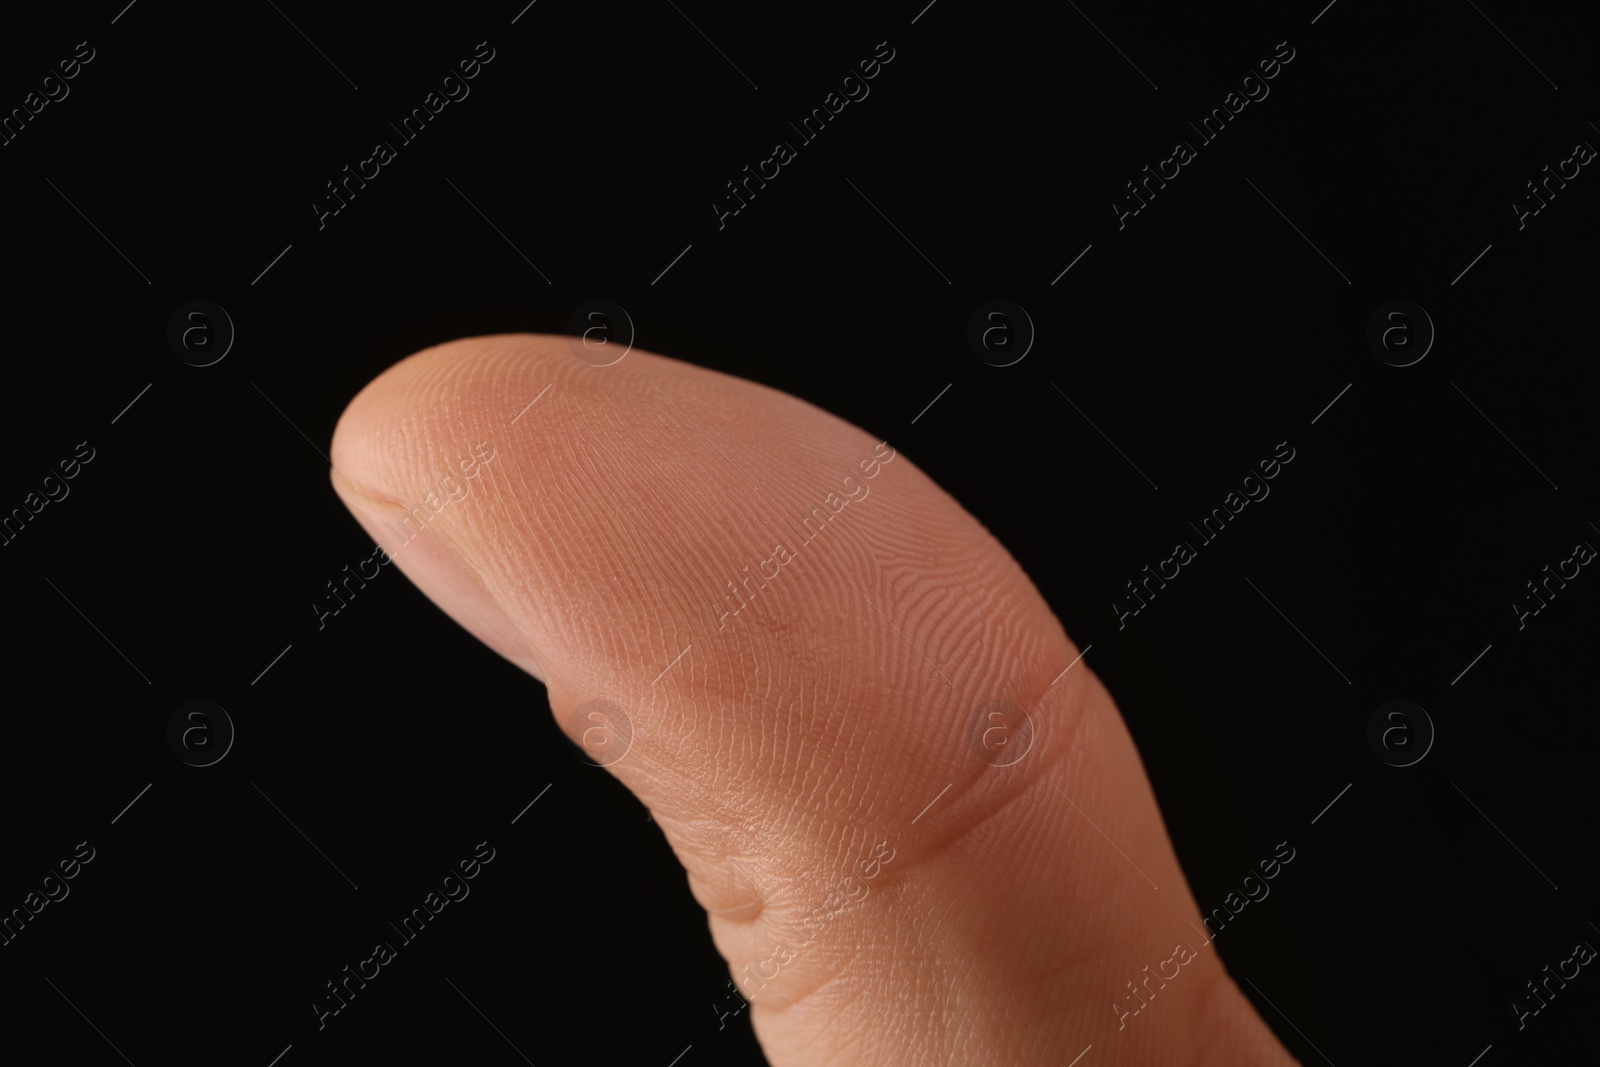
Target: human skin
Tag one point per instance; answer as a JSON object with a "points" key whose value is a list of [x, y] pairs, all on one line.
{"points": [[834, 713]]}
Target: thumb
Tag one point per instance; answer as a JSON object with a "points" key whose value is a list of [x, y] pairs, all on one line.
{"points": [[897, 791]]}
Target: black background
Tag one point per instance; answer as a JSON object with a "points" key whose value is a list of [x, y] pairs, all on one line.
{"points": [[1198, 336]]}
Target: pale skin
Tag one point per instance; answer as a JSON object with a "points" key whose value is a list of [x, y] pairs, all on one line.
{"points": [[799, 742]]}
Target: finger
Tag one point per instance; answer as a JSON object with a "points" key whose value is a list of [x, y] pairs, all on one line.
{"points": [[800, 642]]}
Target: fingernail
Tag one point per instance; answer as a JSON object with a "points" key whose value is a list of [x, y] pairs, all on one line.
{"points": [[436, 567]]}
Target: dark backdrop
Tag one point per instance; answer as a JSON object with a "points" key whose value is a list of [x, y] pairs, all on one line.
{"points": [[1167, 352]]}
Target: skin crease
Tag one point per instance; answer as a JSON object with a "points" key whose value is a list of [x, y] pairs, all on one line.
{"points": [[793, 738]]}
